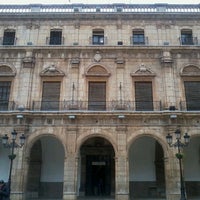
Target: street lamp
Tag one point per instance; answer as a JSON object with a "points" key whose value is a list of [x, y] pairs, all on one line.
{"points": [[179, 156], [12, 145]]}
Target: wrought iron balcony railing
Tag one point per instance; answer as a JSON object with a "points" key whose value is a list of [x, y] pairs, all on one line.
{"points": [[190, 105], [134, 40], [188, 40], [96, 106], [7, 105], [8, 41], [98, 41], [55, 40]]}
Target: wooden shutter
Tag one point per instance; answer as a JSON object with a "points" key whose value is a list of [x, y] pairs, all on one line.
{"points": [[50, 95], [4, 94], [97, 96], [143, 96], [192, 95]]}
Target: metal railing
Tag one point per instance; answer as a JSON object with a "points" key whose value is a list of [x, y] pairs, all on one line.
{"points": [[8, 41], [7, 105], [190, 105], [96, 106], [54, 40], [188, 40], [101, 41], [139, 41], [105, 8]]}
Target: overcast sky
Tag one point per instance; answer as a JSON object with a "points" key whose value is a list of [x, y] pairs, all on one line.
{"points": [[98, 1]]}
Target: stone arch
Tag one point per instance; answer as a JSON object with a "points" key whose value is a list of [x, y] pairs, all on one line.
{"points": [[97, 70], [82, 139], [97, 167], [48, 178], [146, 170], [191, 164], [7, 70], [35, 136], [160, 140], [190, 70]]}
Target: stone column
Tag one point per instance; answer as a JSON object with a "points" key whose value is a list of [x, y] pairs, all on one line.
{"points": [[71, 167], [122, 175]]}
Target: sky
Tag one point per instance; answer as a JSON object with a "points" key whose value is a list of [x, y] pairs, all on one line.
{"points": [[98, 1]]}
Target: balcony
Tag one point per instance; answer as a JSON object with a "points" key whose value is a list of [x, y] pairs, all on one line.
{"points": [[7, 105], [55, 41], [96, 106], [188, 40], [8, 41], [100, 40], [139, 40], [190, 105]]}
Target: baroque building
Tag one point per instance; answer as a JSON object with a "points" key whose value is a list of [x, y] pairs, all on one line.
{"points": [[96, 89]]}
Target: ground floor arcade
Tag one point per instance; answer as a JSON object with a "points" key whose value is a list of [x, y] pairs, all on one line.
{"points": [[52, 166]]}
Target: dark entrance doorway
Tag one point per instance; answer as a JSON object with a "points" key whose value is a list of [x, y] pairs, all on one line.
{"points": [[97, 168], [98, 175]]}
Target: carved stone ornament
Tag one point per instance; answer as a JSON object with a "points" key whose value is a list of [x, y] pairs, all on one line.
{"points": [[97, 57], [143, 71], [52, 71]]}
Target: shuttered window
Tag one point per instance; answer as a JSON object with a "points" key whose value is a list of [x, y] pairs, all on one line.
{"points": [[143, 96], [4, 94], [50, 96], [97, 96], [192, 95]]}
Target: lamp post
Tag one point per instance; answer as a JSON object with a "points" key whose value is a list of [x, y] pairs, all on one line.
{"points": [[12, 144], [179, 144]]}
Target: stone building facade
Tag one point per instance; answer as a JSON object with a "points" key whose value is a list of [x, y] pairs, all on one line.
{"points": [[96, 89]]}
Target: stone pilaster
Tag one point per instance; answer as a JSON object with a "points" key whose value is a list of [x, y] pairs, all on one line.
{"points": [[168, 78], [70, 169]]}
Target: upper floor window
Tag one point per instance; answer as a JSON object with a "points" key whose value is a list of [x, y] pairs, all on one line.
{"points": [[192, 94], [4, 94], [191, 80], [55, 37], [97, 96], [98, 37], [143, 96], [138, 37], [50, 95], [9, 37], [187, 38]]}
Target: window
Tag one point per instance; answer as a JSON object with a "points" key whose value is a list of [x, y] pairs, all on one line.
{"points": [[55, 37], [50, 96], [4, 94], [9, 37], [97, 96], [138, 37], [192, 95], [186, 37], [143, 96], [98, 37]]}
